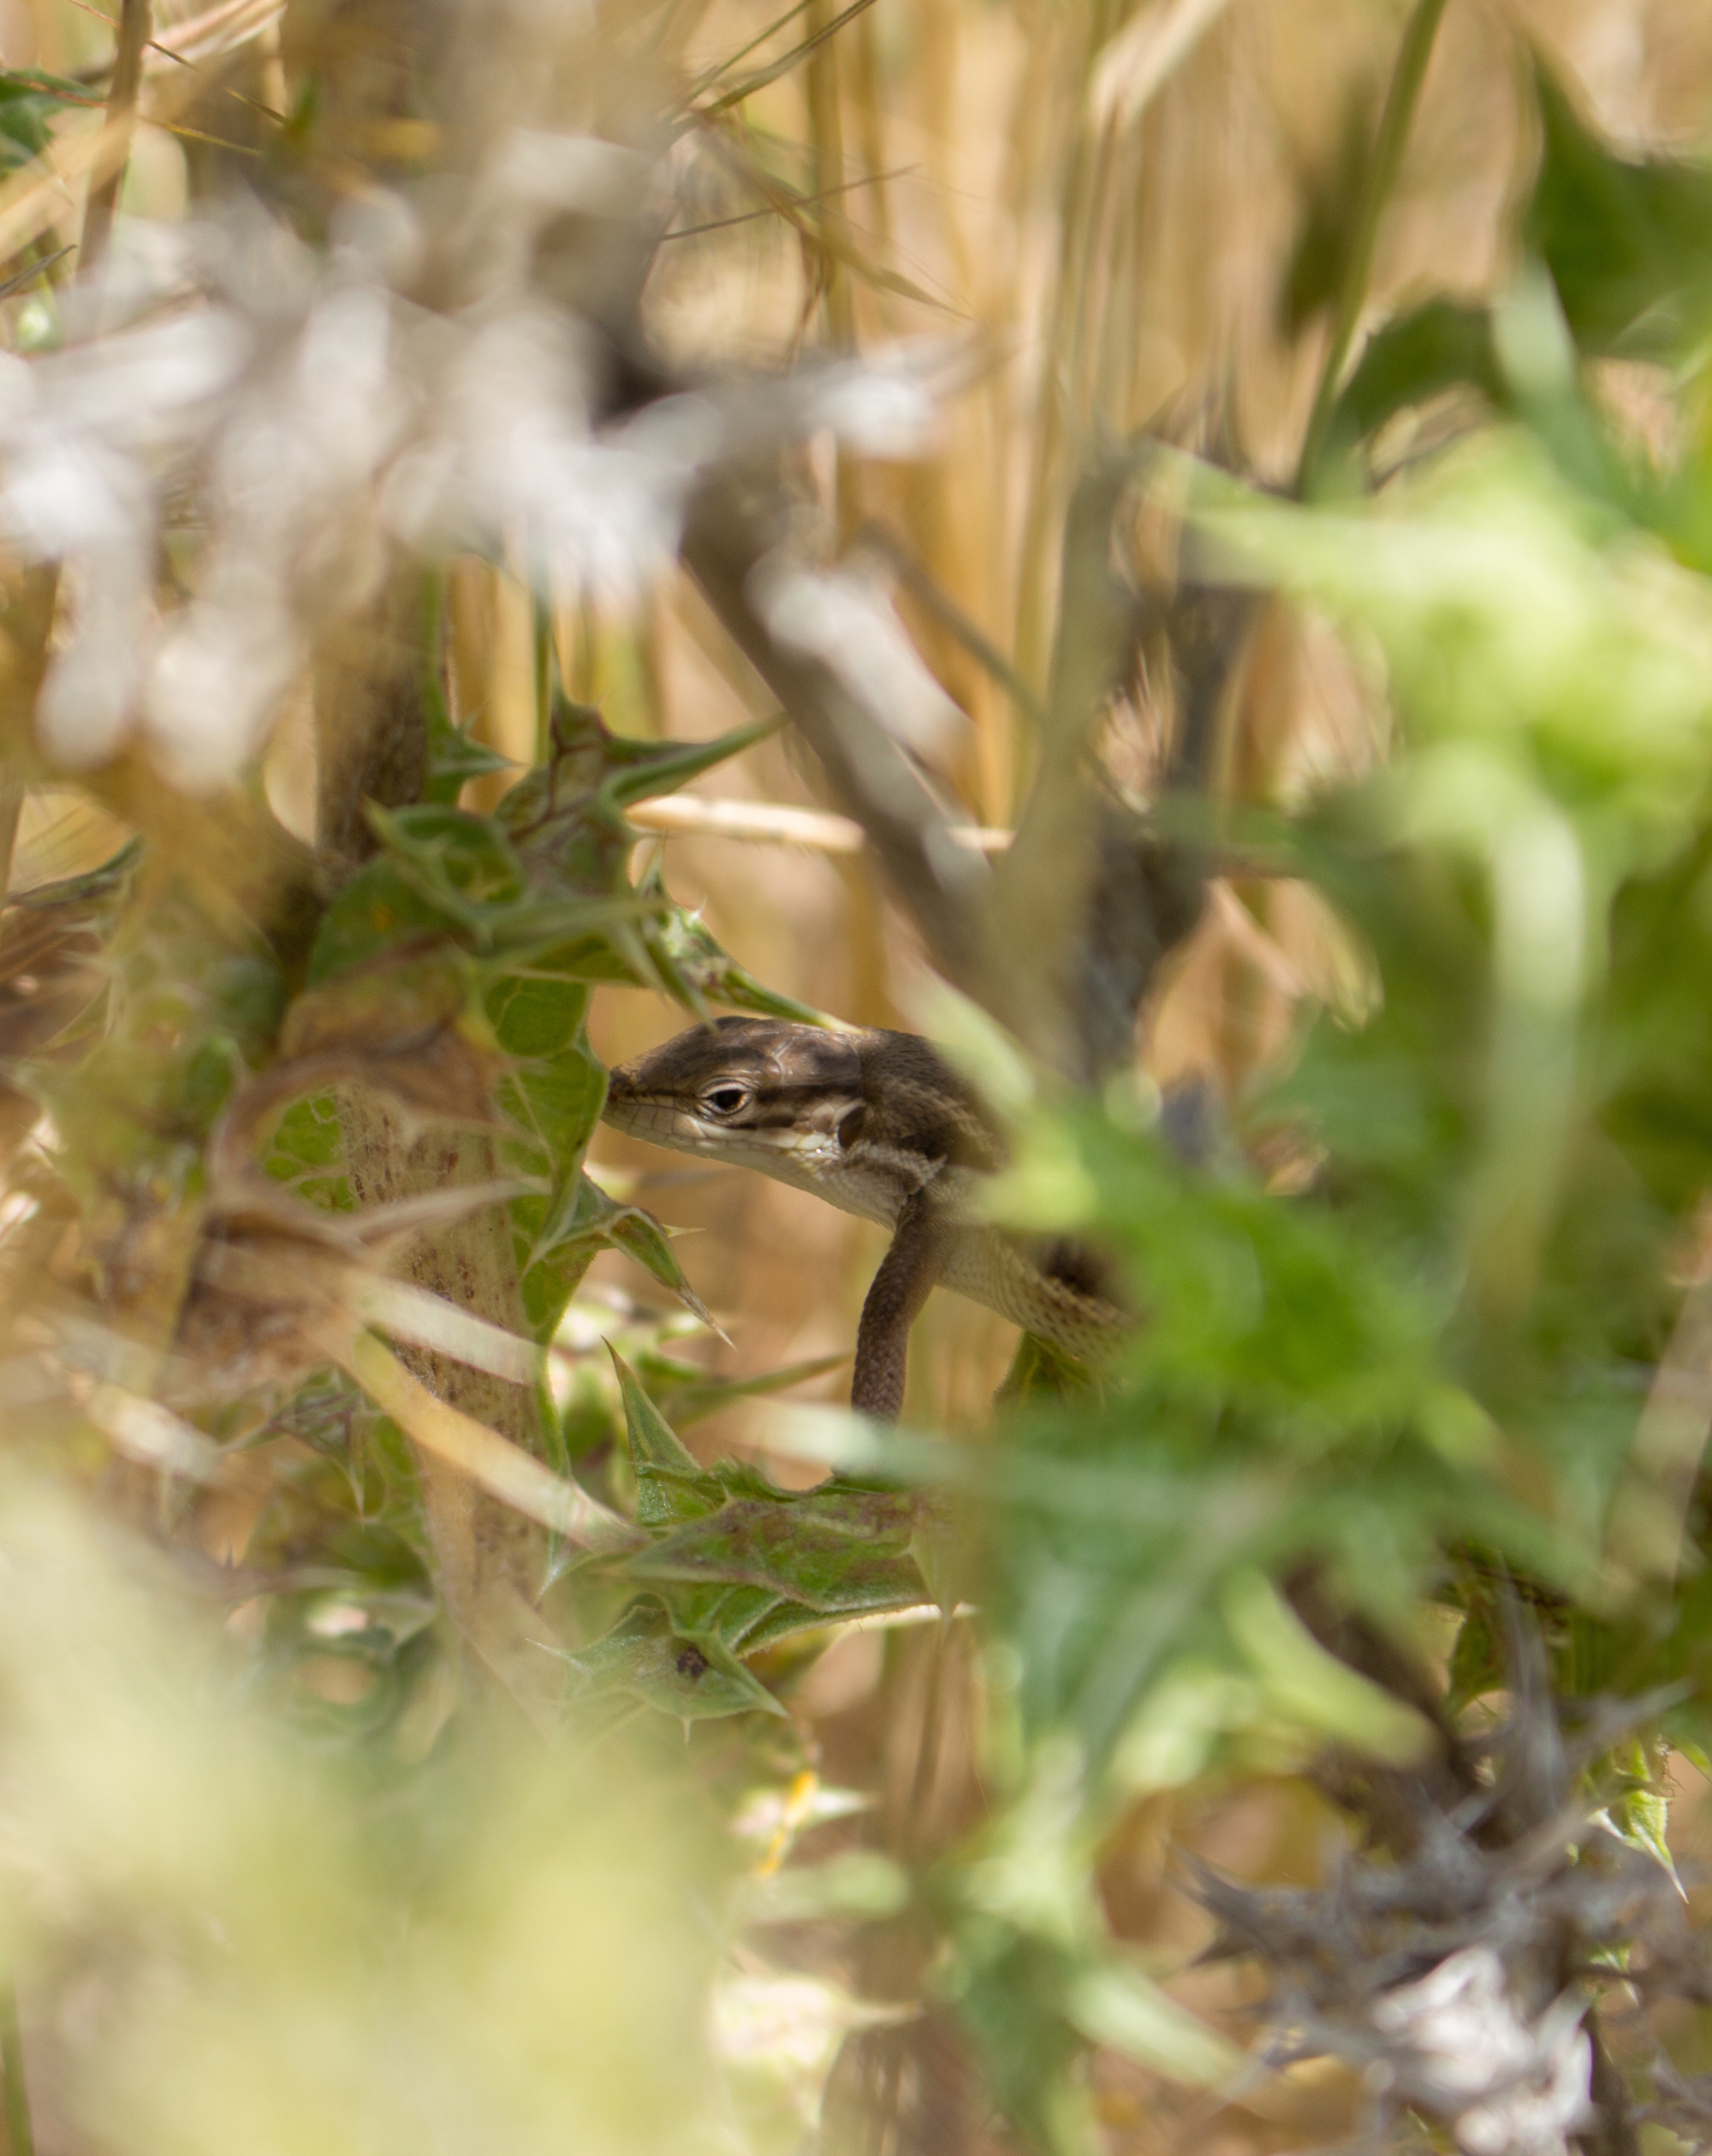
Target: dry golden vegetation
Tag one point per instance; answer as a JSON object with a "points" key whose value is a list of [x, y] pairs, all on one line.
{"points": [[1165, 545]]}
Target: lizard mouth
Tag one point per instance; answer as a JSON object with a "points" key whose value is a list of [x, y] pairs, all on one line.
{"points": [[666, 1122]]}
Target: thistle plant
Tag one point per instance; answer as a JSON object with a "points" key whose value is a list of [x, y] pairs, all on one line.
{"points": [[414, 1725]]}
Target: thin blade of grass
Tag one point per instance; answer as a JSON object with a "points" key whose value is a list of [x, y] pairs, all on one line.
{"points": [[786, 61], [505, 1471]]}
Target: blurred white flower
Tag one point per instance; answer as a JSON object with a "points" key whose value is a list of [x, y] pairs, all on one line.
{"points": [[509, 457], [880, 408], [218, 675], [281, 423], [569, 172], [1512, 2086], [787, 2030]]}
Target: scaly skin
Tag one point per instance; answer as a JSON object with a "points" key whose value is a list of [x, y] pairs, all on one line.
{"points": [[878, 1124]]}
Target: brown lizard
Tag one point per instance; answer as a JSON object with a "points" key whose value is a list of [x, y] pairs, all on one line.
{"points": [[878, 1124]]}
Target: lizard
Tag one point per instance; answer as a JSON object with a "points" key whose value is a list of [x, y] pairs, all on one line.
{"points": [[879, 1124]]}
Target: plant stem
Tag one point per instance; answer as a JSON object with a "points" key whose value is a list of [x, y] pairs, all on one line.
{"points": [[20, 2137], [543, 680], [134, 24], [1401, 101], [11, 806]]}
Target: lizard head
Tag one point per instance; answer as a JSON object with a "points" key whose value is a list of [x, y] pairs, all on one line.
{"points": [[757, 1092]]}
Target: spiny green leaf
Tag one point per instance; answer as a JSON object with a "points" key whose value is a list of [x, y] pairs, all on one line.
{"points": [[640, 1236], [647, 769], [671, 1486], [581, 1214], [699, 971], [731, 1613], [584, 1219], [454, 756], [461, 863], [687, 1392], [571, 809], [310, 1136], [581, 939], [694, 1679], [846, 1555], [781, 1619], [748, 1568], [1640, 1813]]}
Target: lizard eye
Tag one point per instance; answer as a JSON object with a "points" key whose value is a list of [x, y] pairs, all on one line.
{"points": [[725, 1100]]}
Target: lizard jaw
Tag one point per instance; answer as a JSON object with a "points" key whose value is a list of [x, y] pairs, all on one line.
{"points": [[774, 1150], [806, 1156]]}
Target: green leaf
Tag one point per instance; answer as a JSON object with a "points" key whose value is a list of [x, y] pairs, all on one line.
{"points": [[577, 939], [1628, 242], [1040, 1368], [562, 1234], [549, 1283], [645, 770], [672, 1488], [641, 1236], [448, 872], [687, 1392], [643, 1659], [567, 815], [737, 1616], [536, 1014], [744, 1563], [569, 1226], [1310, 1685], [579, 1215], [1417, 357], [557, 1104], [781, 1621], [1639, 1815], [1477, 1664], [377, 910], [29, 101], [1114, 2004], [699, 971], [309, 1137], [454, 756], [842, 1551], [461, 863], [941, 1557]]}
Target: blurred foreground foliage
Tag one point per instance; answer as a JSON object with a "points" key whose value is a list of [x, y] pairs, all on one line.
{"points": [[401, 1729]]}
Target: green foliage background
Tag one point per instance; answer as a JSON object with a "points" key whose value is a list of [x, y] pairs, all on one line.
{"points": [[291, 1862]]}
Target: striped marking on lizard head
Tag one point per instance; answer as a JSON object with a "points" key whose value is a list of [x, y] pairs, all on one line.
{"points": [[757, 1092]]}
